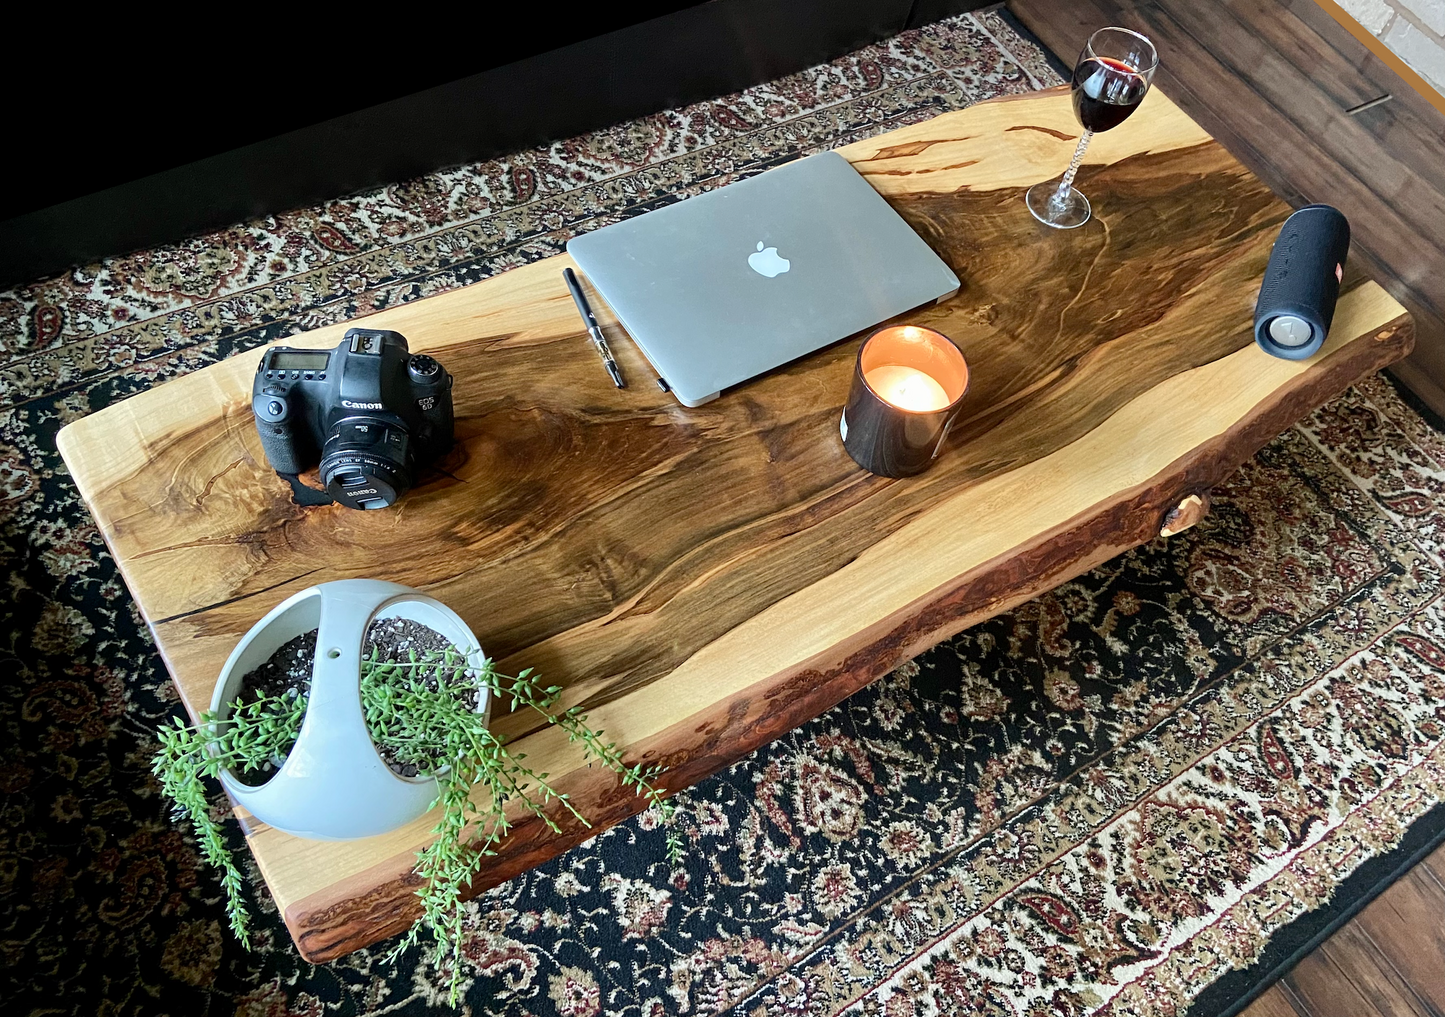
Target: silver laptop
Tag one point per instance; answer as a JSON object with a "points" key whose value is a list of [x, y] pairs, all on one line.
{"points": [[726, 285]]}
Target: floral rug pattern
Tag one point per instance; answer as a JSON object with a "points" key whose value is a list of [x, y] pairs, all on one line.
{"points": [[1097, 803]]}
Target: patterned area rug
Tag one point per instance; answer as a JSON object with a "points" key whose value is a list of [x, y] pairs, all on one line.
{"points": [[1149, 784]]}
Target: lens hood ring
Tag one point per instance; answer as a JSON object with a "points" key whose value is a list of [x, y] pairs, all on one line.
{"points": [[363, 480], [361, 467]]}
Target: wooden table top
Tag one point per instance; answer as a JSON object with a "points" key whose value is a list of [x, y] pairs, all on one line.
{"points": [[703, 580]]}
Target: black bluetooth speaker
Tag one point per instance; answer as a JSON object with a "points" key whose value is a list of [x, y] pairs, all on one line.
{"points": [[1302, 283]]}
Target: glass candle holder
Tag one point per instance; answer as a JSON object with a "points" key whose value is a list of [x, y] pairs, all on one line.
{"points": [[908, 384]]}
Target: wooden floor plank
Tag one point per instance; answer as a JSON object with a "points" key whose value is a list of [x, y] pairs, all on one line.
{"points": [[1351, 979], [1435, 865], [1407, 925], [1359, 959], [1277, 1001]]}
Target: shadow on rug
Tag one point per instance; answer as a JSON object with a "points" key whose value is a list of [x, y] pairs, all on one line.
{"points": [[1103, 801]]}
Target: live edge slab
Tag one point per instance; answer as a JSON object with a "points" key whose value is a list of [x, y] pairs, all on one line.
{"points": [[703, 580]]}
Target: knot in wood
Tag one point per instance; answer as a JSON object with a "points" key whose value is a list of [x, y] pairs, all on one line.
{"points": [[1189, 511]]}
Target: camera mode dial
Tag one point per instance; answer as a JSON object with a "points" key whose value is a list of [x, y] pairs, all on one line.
{"points": [[423, 367]]}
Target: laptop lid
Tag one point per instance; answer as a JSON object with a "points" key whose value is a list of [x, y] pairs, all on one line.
{"points": [[732, 283]]}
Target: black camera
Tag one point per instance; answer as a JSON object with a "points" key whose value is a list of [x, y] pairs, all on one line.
{"points": [[368, 413]]}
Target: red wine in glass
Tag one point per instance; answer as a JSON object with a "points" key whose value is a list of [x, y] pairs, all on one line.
{"points": [[1106, 91], [1111, 78]]}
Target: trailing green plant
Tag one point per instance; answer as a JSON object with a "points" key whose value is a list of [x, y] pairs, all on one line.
{"points": [[420, 711]]}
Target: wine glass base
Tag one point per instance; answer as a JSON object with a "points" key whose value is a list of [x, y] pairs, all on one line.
{"points": [[1072, 212]]}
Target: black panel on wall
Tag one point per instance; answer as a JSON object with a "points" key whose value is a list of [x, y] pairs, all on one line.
{"points": [[174, 144]]}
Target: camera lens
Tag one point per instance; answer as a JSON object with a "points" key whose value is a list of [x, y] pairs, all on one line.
{"points": [[366, 462]]}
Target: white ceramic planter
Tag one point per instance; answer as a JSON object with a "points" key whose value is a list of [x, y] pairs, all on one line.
{"points": [[334, 785]]}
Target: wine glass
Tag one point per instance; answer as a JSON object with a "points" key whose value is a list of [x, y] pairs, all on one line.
{"points": [[1110, 80]]}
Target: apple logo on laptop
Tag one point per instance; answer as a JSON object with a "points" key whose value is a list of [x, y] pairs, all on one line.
{"points": [[768, 262]]}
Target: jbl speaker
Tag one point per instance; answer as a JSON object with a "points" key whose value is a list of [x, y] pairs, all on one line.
{"points": [[1302, 282]]}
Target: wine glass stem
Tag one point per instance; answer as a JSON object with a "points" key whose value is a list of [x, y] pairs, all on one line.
{"points": [[1062, 194]]}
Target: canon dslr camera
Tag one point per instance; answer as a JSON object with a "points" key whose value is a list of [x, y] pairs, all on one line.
{"points": [[369, 413]]}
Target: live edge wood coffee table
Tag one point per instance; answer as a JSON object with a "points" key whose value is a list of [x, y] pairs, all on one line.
{"points": [[704, 580]]}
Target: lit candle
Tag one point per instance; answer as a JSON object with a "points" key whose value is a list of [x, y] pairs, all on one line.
{"points": [[907, 388], [908, 384]]}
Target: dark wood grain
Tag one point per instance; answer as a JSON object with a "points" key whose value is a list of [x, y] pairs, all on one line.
{"points": [[1276, 1001], [1272, 81], [1348, 976], [1434, 865], [1407, 925], [704, 580]]}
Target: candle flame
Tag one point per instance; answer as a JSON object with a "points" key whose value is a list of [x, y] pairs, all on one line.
{"points": [[907, 388]]}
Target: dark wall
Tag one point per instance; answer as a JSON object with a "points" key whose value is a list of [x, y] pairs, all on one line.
{"points": [[132, 94], [144, 138]]}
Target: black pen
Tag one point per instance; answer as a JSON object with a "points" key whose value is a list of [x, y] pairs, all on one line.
{"points": [[593, 329]]}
